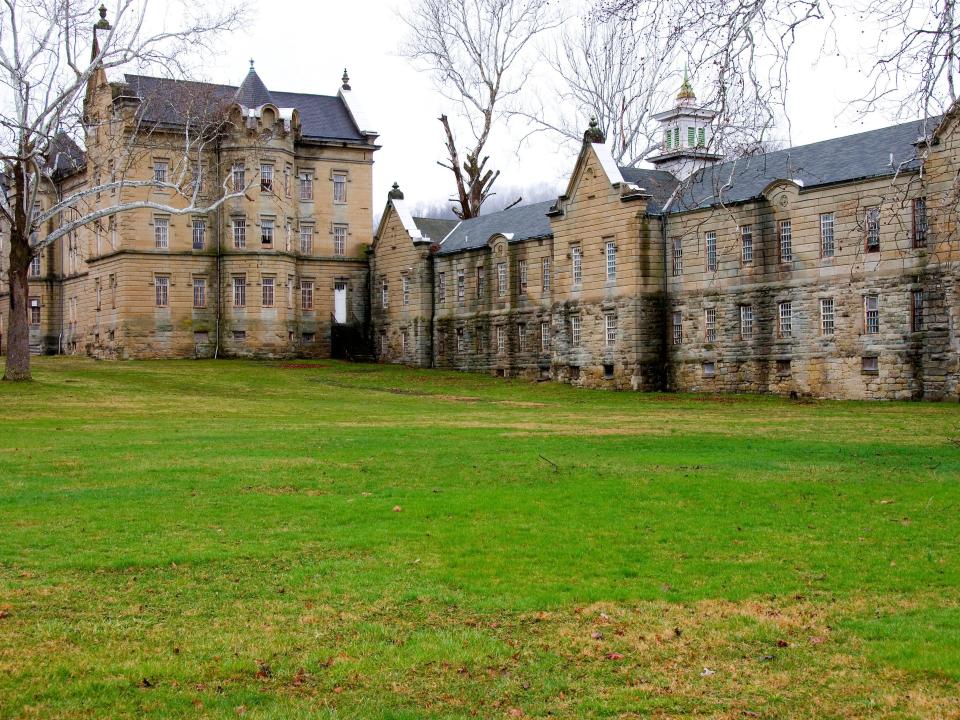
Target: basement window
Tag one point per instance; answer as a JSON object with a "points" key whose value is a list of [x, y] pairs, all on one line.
{"points": [[709, 369], [239, 335], [307, 338], [608, 371], [870, 365], [574, 372], [783, 367]]}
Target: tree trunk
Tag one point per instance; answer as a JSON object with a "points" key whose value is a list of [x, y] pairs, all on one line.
{"points": [[18, 340]]}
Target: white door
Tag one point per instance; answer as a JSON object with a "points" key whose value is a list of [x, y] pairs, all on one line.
{"points": [[340, 302]]}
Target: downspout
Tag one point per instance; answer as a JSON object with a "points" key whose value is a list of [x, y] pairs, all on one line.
{"points": [[430, 277], [216, 347], [664, 308]]}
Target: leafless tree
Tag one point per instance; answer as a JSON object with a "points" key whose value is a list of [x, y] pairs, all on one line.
{"points": [[51, 53], [479, 54]]}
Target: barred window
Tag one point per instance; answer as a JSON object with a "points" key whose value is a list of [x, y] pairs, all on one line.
{"points": [[746, 243], [340, 240], [239, 177], [576, 257], [521, 276], [199, 292], [267, 286], [306, 294], [916, 307], [162, 286], [240, 291], [34, 311], [521, 336], [826, 316], [677, 257], [266, 232], [501, 279], [239, 233], [306, 186], [711, 240], [611, 251], [546, 274], [746, 321], [161, 232], [441, 288], [306, 239], [405, 286], [575, 330], [827, 246], [160, 171], [544, 335], [710, 324], [785, 320], [199, 233], [610, 321], [480, 278], [677, 327], [786, 241], [339, 188], [501, 339], [384, 293], [266, 178], [873, 229], [871, 312], [461, 284], [919, 222]]}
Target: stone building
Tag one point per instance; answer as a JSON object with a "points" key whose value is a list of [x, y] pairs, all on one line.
{"points": [[274, 272], [827, 270]]}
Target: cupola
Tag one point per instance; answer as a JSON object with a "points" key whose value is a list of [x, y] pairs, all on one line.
{"points": [[687, 132]]}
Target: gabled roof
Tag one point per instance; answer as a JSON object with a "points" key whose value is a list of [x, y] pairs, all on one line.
{"points": [[659, 184], [322, 117], [523, 222], [854, 157], [434, 229]]}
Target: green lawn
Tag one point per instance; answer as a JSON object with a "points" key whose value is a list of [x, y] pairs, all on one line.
{"points": [[270, 540]]}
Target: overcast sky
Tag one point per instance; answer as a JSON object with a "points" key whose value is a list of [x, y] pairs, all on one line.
{"points": [[304, 45]]}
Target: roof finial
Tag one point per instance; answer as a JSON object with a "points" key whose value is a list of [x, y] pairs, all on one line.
{"points": [[593, 133], [686, 89], [395, 192], [346, 80], [251, 63], [102, 23]]}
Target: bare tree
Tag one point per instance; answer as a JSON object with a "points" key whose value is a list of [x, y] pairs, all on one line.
{"points": [[479, 53], [53, 53]]}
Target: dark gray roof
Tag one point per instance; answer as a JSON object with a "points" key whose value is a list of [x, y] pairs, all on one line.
{"points": [[64, 156], [854, 157], [434, 228], [658, 183], [252, 93], [524, 222], [165, 101]]}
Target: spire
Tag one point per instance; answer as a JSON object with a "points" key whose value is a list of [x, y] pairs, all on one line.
{"points": [[253, 93], [345, 80], [594, 134], [102, 23], [686, 93]]}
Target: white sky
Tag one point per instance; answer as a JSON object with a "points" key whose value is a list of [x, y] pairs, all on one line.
{"points": [[304, 45]]}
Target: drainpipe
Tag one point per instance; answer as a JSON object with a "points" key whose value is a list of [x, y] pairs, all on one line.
{"points": [[664, 314], [430, 278], [216, 347]]}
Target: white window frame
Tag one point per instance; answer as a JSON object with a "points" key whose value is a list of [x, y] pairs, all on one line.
{"points": [[746, 322], [544, 335], [305, 183], [268, 291], [785, 234], [610, 250], [339, 240], [384, 294], [521, 337], [576, 263], [610, 329], [678, 327], [871, 225], [677, 257], [306, 295], [266, 177], [199, 233], [461, 284], [239, 233], [828, 245], [162, 290], [501, 279], [545, 279], [711, 247], [267, 231], [710, 324], [405, 286], [521, 276], [306, 238], [339, 188], [575, 331], [746, 245], [239, 291], [785, 319], [160, 170], [199, 293], [161, 232], [828, 316], [871, 314], [501, 339]]}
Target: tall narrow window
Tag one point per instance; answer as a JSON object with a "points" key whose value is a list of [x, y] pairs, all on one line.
{"points": [[267, 287], [710, 324], [521, 337], [288, 235], [34, 310], [872, 225], [384, 294], [306, 185], [827, 245], [96, 290], [480, 275], [405, 286], [266, 232], [239, 233], [785, 320], [544, 336], [340, 240], [290, 283], [676, 137], [441, 288], [576, 257], [306, 239], [35, 266], [746, 321], [677, 327], [239, 177], [916, 307], [871, 314], [461, 285], [701, 137], [691, 136], [786, 241], [113, 291], [339, 188], [521, 276], [575, 330], [667, 135], [611, 253], [199, 233], [162, 287], [199, 292], [711, 251], [461, 340], [546, 274], [501, 339], [239, 291], [919, 222], [826, 316], [746, 244], [306, 294], [161, 232], [266, 178], [287, 172], [677, 257], [501, 279], [610, 323], [160, 171]]}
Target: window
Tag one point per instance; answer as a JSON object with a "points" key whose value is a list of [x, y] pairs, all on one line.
{"points": [[461, 340], [306, 186], [288, 234], [161, 232], [701, 137], [307, 337], [546, 274], [608, 371], [710, 324], [160, 171], [384, 294], [266, 232], [575, 330], [711, 251], [785, 320], [677, 257], [677, 327], [783, 367], [403, 341], [239, 335], [34, 311], [479, 284], [667, 135], [266, 178], [339, 188], [501, 339], [611, 252], [461, 284], [287, 172], [544, 336], [872, 225], [610, 324], [162, 287], [199, 292], [199, 233], [113, 232], [709, 369], [919, 222], [786, 241], [306, 294], [501, 279], [676, 137], [239, 291], [827, 246], [239, 177], [871, 314], [826, 316], [97, 292], [521, 337], [267, 287], [340, 240], [239, 233], [746, 244], [870, 365], [746, 321], [916, 307], [405, 287], [691, 136], [35, 266], [521, 276], [576, 256], [306, 239], [113, 290]]}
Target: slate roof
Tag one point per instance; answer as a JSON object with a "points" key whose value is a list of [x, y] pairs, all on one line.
{"points": [[64, 156], [854, 157], [165, 101], [659, 183], [524, 222], [252, 93], [434, 228]]}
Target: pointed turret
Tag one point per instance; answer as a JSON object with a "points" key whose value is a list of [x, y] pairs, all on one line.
{"points": [[253, 93]]}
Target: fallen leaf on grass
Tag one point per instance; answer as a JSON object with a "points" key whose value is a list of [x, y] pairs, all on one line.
{"points": [[397, 508], [263, 669], [817, 640], [300, 678], [614, 656]]}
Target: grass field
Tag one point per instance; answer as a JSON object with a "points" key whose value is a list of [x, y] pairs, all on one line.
{"points": [[269, 540]]}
